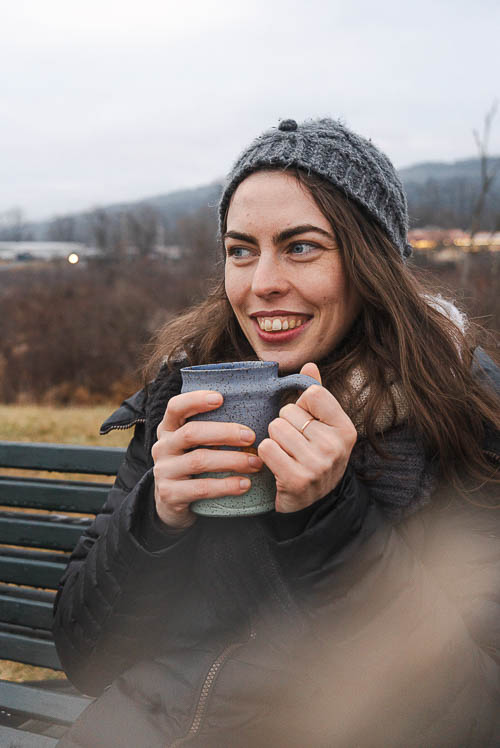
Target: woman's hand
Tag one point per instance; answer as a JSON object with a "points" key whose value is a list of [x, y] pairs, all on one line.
{"points": [[174, 465], [308, 462]]}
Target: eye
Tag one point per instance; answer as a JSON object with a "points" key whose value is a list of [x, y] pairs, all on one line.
{"points": [[302, 249], [239, 253]]}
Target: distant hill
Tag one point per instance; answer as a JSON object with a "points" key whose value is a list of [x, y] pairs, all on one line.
{"points": [[178, 203], [187, 201], [439, 193], [468, 169], [171, 206], [444, 194]]}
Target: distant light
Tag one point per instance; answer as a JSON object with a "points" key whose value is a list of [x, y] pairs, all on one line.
{"points": [[73, 258], [425, 244]]}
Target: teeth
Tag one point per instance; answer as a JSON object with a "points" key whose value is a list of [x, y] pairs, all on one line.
{"points": [[276, 324]]}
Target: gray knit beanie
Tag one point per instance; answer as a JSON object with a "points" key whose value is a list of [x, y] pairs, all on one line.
{"points": [[350, 162]]}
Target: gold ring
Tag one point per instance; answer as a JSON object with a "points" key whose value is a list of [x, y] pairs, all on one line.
{"points": [[306, 424]]}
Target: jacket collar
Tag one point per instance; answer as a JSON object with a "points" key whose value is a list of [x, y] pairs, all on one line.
{"points": [[130, 412]]}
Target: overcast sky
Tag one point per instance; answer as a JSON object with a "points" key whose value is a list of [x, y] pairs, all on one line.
{"points": [[113, 100]]}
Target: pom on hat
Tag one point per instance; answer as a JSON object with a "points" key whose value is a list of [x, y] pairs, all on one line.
{"points": [[287, 125]]}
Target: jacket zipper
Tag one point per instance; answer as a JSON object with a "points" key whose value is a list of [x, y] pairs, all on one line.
{"points": [[493, 455], [116, 427], [206, 690]]}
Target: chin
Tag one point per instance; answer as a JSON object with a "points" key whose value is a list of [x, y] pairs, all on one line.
{"points": [[288, 366]]}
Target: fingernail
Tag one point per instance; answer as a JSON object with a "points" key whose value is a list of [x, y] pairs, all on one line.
{"points": [[254, 461], [244, 483], [246, 435], [213, 399]]}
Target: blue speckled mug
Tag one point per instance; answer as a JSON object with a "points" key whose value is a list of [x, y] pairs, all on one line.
{"points": [[251, 391]]}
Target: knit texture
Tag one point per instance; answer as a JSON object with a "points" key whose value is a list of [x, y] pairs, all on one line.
{"points": [[350, 162], [404, 479]]}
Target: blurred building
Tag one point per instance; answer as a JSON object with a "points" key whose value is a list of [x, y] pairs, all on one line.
{"points": [[435, 238], [44, 251]]}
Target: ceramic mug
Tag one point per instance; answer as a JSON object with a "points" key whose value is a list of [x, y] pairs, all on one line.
{"points": [[251, 391]]}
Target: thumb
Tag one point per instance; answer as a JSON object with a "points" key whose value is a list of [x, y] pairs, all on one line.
{"points": [[311, 370]]}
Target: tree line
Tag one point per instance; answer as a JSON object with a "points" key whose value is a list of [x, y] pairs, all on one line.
{"points": [[138, 230]]}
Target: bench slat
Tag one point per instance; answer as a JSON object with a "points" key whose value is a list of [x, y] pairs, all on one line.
{"points": [[28, 649], [41, 531], [12, 738], [42, 702], [34, 569], [67, 496], [26, 593], [62, 458], [32, 613]]}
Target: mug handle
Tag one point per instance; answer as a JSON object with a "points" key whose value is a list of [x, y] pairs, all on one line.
{"points": [[294, 381]]}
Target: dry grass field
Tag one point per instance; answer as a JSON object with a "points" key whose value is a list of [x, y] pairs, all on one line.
{"points": [[70, 425]]}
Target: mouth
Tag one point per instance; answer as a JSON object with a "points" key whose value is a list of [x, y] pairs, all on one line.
{"points": [[279, 326]]}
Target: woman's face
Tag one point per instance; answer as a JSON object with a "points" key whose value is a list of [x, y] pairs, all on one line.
{"points": [[284, 275]]}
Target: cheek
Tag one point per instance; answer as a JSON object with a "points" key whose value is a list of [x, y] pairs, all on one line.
{"points": [[234, 288], [228, 284], [328, 291], [334, 295]]}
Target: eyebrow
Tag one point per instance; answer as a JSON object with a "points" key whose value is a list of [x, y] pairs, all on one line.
{"points": [[281, 236]]}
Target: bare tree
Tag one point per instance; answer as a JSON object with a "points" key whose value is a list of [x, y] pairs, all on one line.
{"points": [[99, 224], [13, 226], [488, 169], [197, 234], [61, 229], [487, 177], [118, 235], [143, 225]]}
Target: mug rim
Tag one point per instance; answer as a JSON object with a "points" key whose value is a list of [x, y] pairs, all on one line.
{"points": [[231, 366]]}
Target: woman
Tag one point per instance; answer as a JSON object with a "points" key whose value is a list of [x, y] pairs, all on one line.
{"points": [[364, 610]]}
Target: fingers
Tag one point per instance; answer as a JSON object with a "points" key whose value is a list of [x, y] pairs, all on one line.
{"points": [[187, 404], [173, 498], [322, 405], [298, 418], [302, 455], [211, 461], [319, 436], [291, 476], [203, 433], [289, 437], [179, 494], [177, 457], [304, 470], [311, 370]]}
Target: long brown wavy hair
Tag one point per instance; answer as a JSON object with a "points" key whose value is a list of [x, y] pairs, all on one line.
{"points": [[398, 337]]}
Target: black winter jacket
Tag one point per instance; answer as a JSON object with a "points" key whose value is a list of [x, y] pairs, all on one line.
{"points": [[327, 627]]}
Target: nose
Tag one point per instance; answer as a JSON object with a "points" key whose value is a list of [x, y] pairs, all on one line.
{"points": [[268, 277]]}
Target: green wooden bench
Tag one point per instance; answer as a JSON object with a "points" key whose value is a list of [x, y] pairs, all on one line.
{"points": [[34, 550]]}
